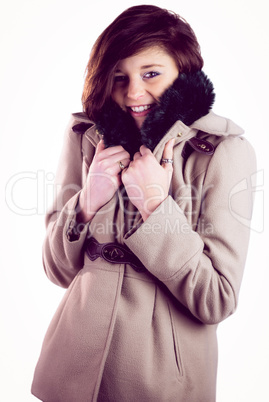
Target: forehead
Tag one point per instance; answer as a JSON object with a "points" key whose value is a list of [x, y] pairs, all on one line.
{"points": [[154, 56]]}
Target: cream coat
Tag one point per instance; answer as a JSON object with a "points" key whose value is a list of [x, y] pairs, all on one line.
{"points": [[123, 336]]}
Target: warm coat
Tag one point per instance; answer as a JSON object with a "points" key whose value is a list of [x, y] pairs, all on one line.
{"points": [[126, 336]]}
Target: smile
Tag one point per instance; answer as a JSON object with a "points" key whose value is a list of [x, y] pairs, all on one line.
{"points": [[139, 109]]}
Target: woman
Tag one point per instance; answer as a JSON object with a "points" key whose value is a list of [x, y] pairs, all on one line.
{"points": [[146, 229]]}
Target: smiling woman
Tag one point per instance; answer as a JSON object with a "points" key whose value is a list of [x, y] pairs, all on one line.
{"points": [[141, 79], [146, 229], [142, 27]]}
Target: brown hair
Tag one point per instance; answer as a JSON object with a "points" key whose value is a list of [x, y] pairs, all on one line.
{"points": [[137, 28]]}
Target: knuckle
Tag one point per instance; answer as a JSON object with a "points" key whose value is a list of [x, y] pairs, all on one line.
{"points": [[103, 164], [126, 153], [149, 157], [109, 170]]}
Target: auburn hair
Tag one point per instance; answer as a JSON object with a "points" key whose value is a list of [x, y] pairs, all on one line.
{"points": [[134, 30]]}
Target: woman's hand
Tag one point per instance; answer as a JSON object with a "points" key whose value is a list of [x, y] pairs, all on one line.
{"points": [[103, 179], [146, 181]]}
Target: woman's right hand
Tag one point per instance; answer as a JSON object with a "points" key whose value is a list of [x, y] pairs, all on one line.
{"points": [[103, 179]]}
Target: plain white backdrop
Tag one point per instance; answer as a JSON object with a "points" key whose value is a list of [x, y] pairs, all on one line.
{"points": [[45, 45]]}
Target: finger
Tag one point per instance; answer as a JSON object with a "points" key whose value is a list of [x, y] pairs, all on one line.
{"points": [[112, 155], [168, 149], [168, 153], [100, 146], [136, 156], [123, 164], [110, 151], [144, 150], [122, 157]]}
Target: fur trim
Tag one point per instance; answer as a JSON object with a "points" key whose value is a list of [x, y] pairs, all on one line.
{"points": [[118, 128], [190, 97]]}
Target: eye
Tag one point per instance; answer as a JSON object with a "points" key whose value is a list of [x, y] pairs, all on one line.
{"points": [[151, 74], [120, 78]]}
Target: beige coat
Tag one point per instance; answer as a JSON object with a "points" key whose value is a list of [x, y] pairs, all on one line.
{"points": [[123, 336]]}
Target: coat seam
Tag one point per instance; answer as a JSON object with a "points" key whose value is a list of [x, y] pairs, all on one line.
{"points": [[109, 338], [182, 269]]}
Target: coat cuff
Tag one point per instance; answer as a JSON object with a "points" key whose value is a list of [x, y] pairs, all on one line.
{"points": [[75, 232], [160, 242]]}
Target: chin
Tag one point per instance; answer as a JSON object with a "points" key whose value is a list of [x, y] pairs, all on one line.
{"points": [[139, 123]]}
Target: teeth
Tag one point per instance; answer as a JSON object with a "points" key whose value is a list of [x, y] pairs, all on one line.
{"points": [[140, 108]]}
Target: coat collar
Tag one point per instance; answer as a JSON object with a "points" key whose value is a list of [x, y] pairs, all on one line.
{"points": [[190, 97], [211, 123], [184, 110]]}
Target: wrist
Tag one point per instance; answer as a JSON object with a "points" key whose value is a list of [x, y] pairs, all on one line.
{"points": [[85, 209], [149, 209]]}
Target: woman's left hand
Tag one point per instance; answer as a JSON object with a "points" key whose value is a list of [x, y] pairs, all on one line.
{"points": [[146, 181]]}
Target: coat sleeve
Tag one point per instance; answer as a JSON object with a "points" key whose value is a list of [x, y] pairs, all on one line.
{"points": [[64, 241], [203, 266]]}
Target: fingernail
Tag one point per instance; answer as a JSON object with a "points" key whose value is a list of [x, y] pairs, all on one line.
{"points": [[172, 142]]}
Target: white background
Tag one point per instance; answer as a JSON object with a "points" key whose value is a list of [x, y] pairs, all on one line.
{"points": [[45, 46]]}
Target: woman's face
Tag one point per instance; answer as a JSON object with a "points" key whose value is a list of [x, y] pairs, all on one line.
{"points": [[140, 80]]}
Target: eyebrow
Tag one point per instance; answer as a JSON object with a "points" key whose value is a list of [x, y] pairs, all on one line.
{"points": [[152, 65], [144, 67]]}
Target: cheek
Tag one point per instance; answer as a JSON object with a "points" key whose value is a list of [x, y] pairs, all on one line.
{"points": [[160, 90], [116, 96], [113, 94], [165, 85]]}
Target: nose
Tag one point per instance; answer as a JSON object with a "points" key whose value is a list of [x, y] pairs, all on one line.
{"points": [[135, 89]]}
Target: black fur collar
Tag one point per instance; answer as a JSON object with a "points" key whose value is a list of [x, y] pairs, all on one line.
{"points": [[190, 97]]}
